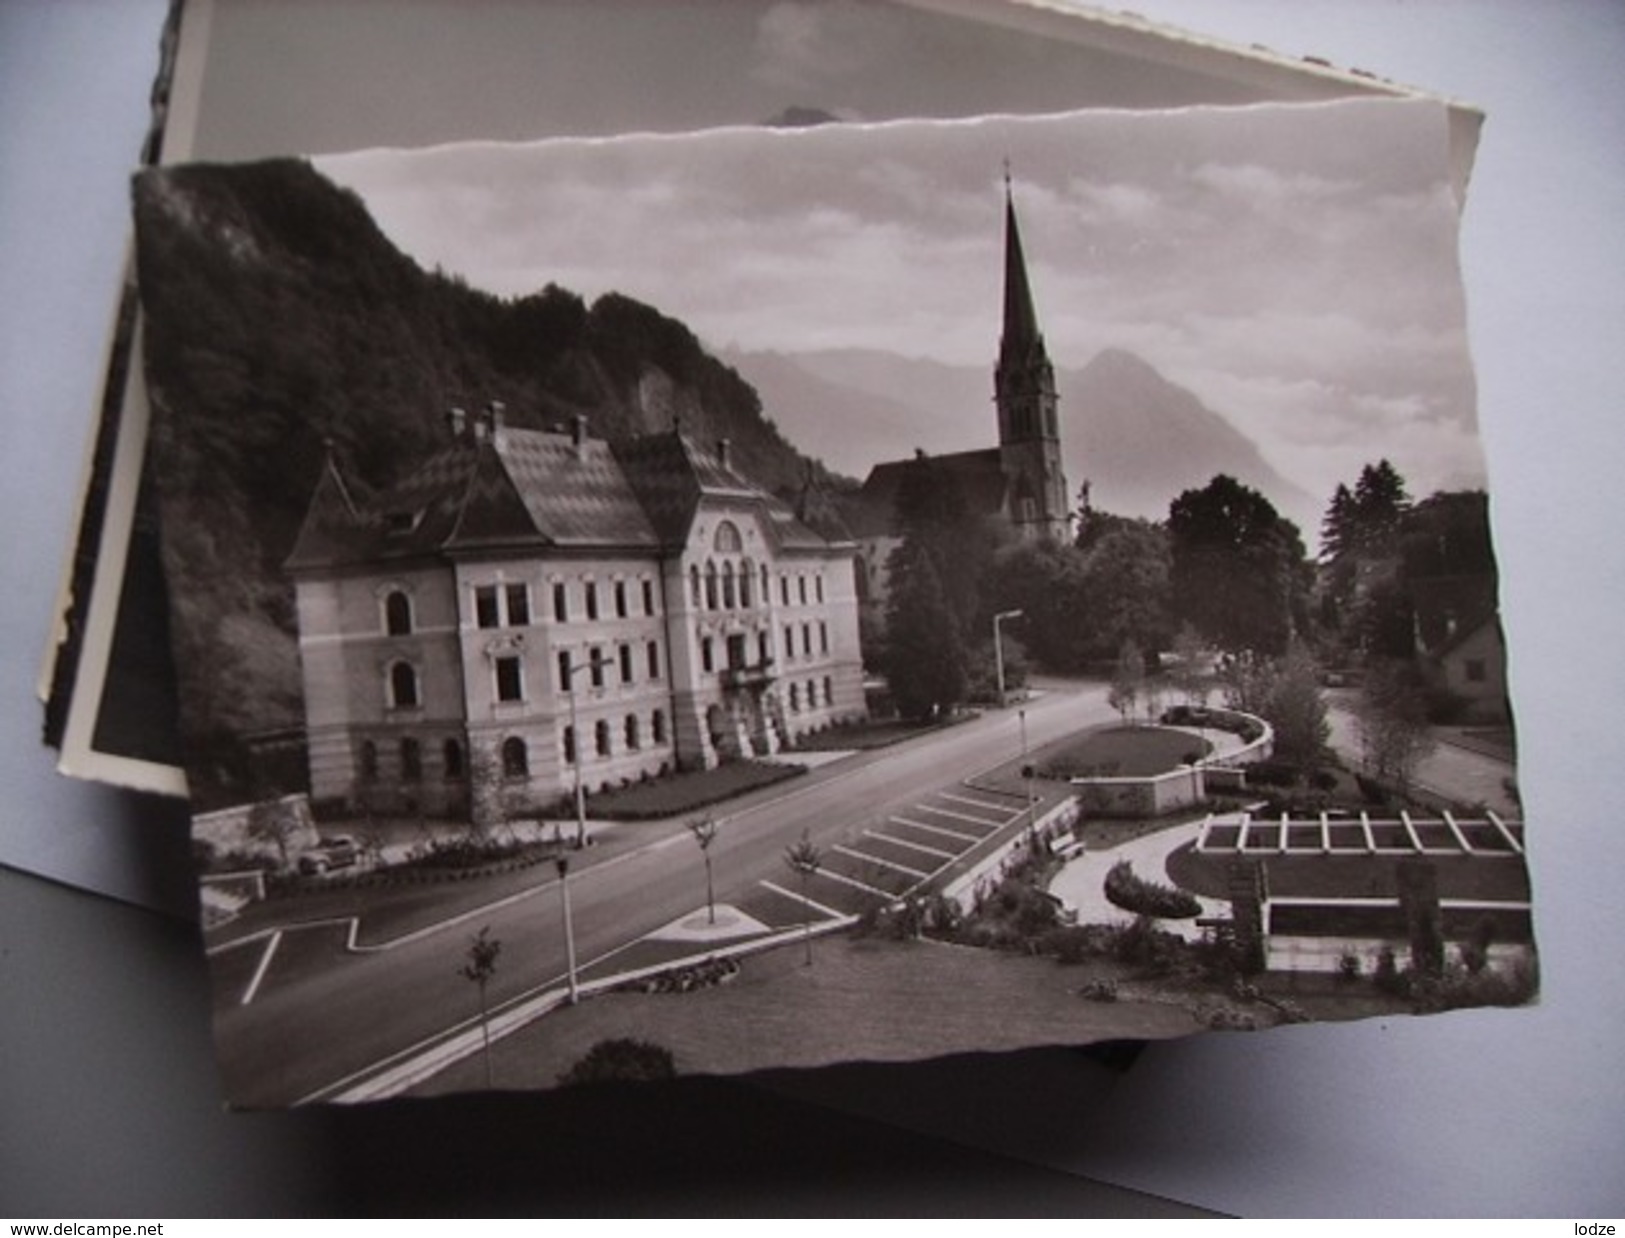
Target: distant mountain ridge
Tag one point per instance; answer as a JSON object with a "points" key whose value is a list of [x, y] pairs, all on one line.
{"points": [[1137, 438]]}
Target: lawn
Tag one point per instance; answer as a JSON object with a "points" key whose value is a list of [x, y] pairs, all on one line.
{"points": [[680, 793], [1120, 751], [862, 736], [861, 1000]]}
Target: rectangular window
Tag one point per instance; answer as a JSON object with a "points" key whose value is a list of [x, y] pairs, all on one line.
{"points": [[561, 603], [518, 606], [1477, 672], [620, 599], [592, 600], [487, 611], [818, 584], [736, 651], [801, 589], [806, 639], [764, 652], [648, 597], [510, 680], [789, 642], [823, 637], [707, 657], [784, 590], [564, 670], [597, 672], [626, 663], [654, 659]]}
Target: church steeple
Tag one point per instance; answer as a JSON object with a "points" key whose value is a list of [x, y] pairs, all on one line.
{"points": [[1024, 390]]}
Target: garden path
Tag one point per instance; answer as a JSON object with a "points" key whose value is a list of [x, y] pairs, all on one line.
{"points": [[1080, 885]]}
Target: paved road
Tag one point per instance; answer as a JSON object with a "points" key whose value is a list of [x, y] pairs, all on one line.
{"points": [[319, 1014], [1453, 772]]}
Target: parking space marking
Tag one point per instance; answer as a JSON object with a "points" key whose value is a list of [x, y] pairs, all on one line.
{"points": [[253, 987], [903, 842], [1010, 813], [939, 829], [803, 899], [963, 816], [884, 863], [856, 884]]}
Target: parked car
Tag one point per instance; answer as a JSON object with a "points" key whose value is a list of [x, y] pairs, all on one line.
{"points": [[338, 851]]}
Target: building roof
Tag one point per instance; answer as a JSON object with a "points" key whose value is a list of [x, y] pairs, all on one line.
{"points": [[496, 487], [977, 476], [1449, 609]]}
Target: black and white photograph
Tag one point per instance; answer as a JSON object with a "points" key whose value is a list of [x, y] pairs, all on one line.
{"points": [[805, 593]]}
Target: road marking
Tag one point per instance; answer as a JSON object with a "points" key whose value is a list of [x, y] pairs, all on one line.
{"points": [[964, 816], [965, 799], [903, 842], [856, 884], [802, 898], [938, 829], [259, 972], [875, 859]]}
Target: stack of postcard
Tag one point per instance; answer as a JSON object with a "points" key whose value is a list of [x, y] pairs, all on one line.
{"points": [[775, 534]]}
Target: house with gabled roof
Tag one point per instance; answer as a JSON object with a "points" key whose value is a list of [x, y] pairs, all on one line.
{"points": [[542, 604]]}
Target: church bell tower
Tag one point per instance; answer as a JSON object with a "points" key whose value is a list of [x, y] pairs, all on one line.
{"points": [[1024, 392]]}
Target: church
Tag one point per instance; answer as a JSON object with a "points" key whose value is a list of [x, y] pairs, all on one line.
{"points": [[1021, 481], [529, 606]]}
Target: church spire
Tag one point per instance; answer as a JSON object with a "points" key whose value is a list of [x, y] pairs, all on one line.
{"points": [[1022, 343]]}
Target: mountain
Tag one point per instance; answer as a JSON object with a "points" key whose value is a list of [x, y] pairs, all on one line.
{"points": [[1138, 439], [281, 325]]}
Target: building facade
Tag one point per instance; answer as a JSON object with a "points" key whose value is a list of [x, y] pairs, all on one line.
{"points": [[531, 604]]}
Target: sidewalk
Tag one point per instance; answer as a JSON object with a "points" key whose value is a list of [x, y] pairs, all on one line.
{"points": [[1080, 885]]}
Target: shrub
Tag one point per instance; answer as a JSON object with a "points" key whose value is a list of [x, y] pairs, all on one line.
{"points": [[1142, 944], [1148, 898], [1100, 991], [621, 1059], [1348, 967], [1272, 774]]}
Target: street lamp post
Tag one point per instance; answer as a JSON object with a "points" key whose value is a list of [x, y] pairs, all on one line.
{"points": [[575, 747], [563, 864], [998, 648], [1026, 767]]}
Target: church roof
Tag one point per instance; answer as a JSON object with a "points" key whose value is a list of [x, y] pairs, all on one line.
{"points": [[978, 477], [1021, 343]]}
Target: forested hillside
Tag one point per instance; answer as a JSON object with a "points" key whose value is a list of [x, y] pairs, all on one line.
{"points": [[279, 318]]}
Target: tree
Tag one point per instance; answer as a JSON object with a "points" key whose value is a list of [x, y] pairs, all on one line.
{"points": [[621, 1059], [1297, 710], [1125, 590], [926, 661], [804, 859], [1391, 717], [1127, 681], [480, 967], [705, 833], [1238, 572], [1190, 677], [275, 822]]}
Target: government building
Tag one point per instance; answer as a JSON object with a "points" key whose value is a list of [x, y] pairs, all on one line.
{"points": [[529, 604]]}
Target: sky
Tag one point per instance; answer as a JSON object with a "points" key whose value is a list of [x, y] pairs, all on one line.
{"points": [[1294, 266]]}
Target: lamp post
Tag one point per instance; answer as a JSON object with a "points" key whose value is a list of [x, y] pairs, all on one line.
{"points": [[998, 648], [1026, 767], [593, 663], [563, 864]]}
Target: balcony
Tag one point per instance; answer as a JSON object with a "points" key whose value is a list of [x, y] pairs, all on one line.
{"points": [[757, 677]]}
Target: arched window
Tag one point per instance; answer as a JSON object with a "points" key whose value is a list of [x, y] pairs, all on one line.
{"points": [[727, 540], [657, 726], [368, 761], [729, 597], [694, 586], [515, 758], [710, 586], [812, 694], [398, 614], [411, 760], [601, 737], [633, 739], [767, 594], [403, 685], [829, 691], [795, 698], [451, 756], [745, 573]]}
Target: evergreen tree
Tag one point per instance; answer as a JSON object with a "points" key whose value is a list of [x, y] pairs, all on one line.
{"points": [[926, 663]]}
